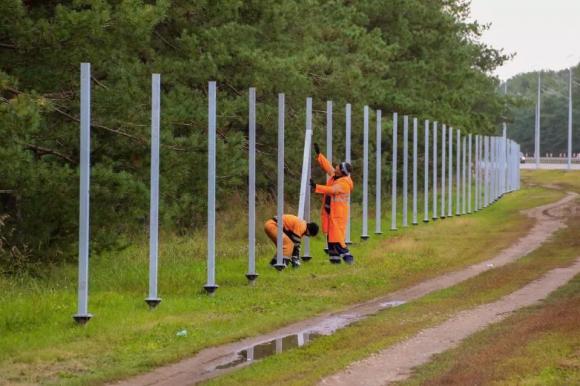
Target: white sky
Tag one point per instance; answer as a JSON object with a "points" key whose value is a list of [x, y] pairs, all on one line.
{"points": [[545, 34]]}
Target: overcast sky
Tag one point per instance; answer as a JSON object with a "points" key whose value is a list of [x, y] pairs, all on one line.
{"points": [[545, 34]]}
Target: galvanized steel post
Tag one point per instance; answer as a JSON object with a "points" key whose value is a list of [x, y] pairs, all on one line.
{"points": [[348, 110], [443, 166], [280, 190], [450, 180], [152, 299], [394, 175], [426, 175], [251, 275], [415, 122], [435, 213], [365, 208], [458, 181], [304, 187], [329, 130], [83, 316], [538, 122], [405, 166], [306, 171], [469, 173], [570, 122], [486, 172], [464, 177], [493, 168], [211, 286], [328, 144], [476, 170], [378, 191]]}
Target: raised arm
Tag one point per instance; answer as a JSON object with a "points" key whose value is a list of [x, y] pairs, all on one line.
{"points": [[325, 164]]}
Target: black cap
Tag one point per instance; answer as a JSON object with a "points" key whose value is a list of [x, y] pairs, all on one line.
{"points": [[312, 229]]}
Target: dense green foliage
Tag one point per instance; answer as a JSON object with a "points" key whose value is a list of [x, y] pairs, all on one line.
{"points": [[418, 57], [523, 89]]}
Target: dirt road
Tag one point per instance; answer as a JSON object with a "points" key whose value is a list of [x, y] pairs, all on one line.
{"points": [[396, 363], [215, 361]]}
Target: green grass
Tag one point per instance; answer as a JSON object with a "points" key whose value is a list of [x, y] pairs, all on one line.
{"points": [[538, 345], [327, 355], [40, 344], [569, 180]]}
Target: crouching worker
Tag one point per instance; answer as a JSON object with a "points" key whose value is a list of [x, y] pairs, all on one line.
{"points": [[293, 230], [335, 206]]}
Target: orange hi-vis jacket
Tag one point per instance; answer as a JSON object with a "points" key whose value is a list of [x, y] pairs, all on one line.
{"points": [[335, 203], [294, 229]]}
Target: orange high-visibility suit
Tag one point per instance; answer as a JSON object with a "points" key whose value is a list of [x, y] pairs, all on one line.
{"points": [[293, 230], [335, 202]]}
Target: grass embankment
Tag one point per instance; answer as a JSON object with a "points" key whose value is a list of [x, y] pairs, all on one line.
{"points": [[536, 346], [40, 344], [327, 355]]}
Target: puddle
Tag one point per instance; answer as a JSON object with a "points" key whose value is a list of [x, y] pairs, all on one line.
{"points": [[278, 345], [392, 304], [266, 349]]}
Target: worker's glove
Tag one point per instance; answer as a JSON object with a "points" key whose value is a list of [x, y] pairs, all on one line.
{"points": [[316, 148], [312, 185]]}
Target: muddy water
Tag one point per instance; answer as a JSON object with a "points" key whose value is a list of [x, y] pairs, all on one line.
{"points": [[271, 347]]}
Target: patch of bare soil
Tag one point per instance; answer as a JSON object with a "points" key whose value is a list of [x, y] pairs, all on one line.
{"points": [[396, 362], [215, 361]]}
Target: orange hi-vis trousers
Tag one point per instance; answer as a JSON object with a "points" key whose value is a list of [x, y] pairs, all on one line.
{"points": [[271, 229]]}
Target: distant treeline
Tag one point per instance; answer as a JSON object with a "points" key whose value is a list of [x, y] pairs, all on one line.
{"points": [[416, 57], [523, 92]]}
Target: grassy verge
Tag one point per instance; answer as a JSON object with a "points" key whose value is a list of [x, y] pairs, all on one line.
{"points": [[568, 180], [40, 344], [327, 355], [537, 346]]}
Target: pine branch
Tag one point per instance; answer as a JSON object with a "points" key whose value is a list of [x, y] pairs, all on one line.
{"points": [[41, 151]]}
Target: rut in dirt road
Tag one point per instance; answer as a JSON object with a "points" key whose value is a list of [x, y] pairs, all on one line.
{"points": [[215, 361], [397, 362]]}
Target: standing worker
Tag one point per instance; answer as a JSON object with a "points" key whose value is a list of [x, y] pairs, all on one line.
{"points": [[335, 206], [293, 230]]}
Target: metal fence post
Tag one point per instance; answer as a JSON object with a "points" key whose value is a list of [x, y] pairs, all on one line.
{"points": [[435, 213], [415, 122], [152, 299], [348, 110], [443, 167], [83, 316], [251, 275], [329, 130], [476, 172], [486, 172], [464, 177], [280, 193], [493, 169], [365, 234], [458, 181], [405, 167], [469, 174], [426, 175], [394, 175], [450, 179], [378, 189], [304, 204], [211, 286]]}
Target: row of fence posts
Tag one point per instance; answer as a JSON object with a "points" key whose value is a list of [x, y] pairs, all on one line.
{"points": [[494, 170]]}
